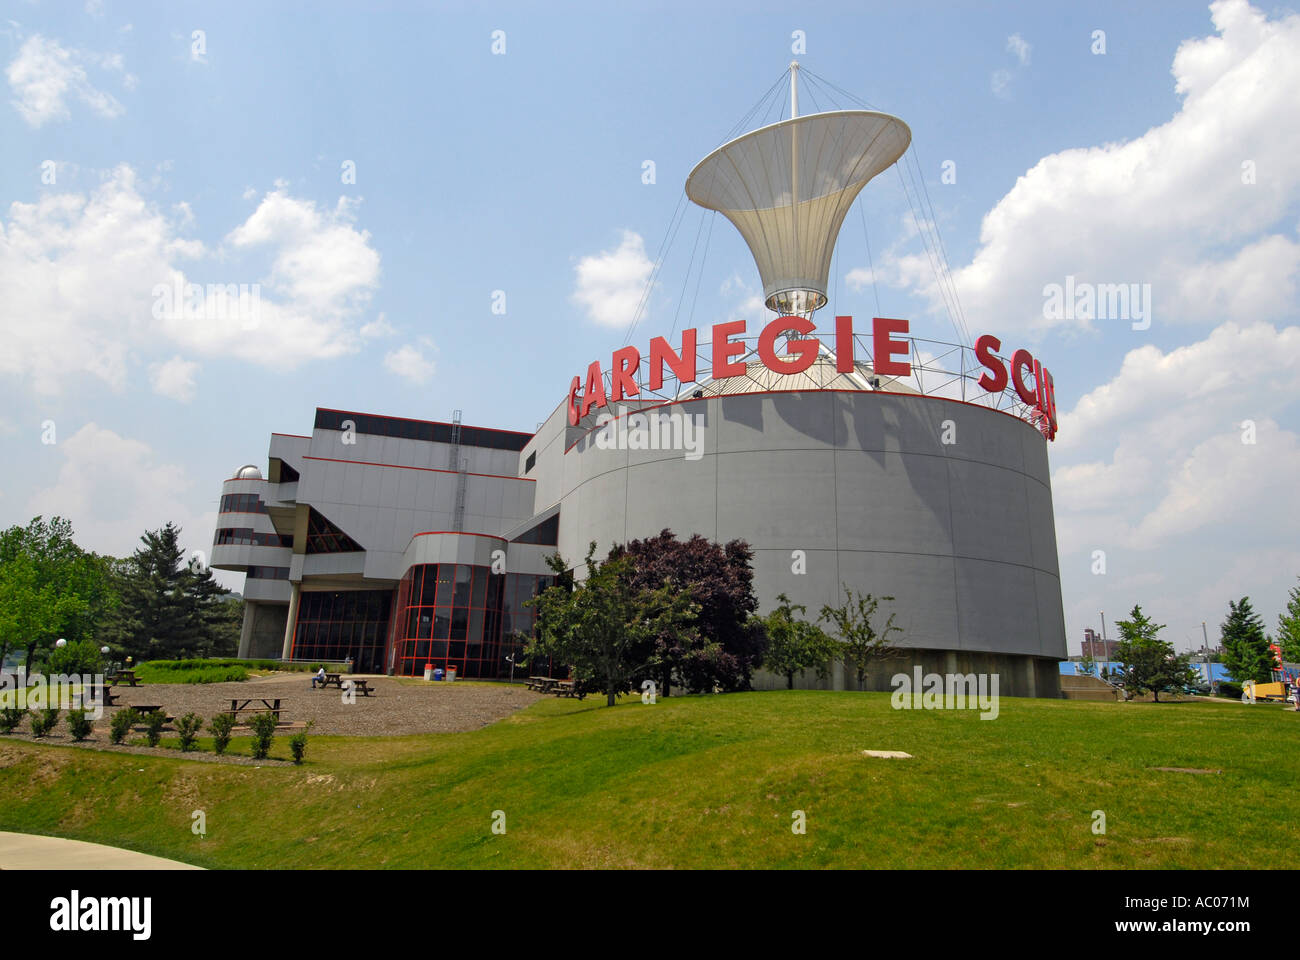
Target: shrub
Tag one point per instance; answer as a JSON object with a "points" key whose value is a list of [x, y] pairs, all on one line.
{"points": [[43, 721], [10, 717], [1227, 689], [263, 727], [220, 727], [78, 657], [79, 724], [153, 724], [188, 728], [298, 742], [121, 724]]}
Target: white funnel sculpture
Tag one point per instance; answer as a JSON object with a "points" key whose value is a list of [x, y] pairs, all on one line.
{"points": [[787, 187]]}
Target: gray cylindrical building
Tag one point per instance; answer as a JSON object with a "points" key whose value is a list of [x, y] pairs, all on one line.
{"points": [[944, 505]]}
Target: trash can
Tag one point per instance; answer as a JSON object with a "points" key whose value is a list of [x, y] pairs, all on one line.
{"points": [[451, 674], [437, 673], [428, 671]]}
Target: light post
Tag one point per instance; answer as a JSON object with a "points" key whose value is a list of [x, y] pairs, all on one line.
{"points": [[1205, 654]]}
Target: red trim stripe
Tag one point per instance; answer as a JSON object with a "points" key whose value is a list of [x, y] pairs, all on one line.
{"points": [[368, 463]]}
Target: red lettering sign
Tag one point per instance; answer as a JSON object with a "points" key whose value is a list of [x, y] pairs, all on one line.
{"points": [[800, 354]]}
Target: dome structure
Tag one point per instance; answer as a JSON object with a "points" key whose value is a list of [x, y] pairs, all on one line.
{"points": [[248, 471]]}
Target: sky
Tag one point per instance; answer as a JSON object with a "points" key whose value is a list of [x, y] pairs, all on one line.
{"points": [[458, 206]]}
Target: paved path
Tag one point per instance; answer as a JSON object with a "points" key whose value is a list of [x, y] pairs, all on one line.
{"points": [[25, 851]]}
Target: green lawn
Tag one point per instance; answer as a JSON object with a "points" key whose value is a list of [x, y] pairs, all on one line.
{"points": [[710, 782]]}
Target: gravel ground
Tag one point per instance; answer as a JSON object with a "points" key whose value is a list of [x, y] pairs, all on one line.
{"points": [[393, 708]]}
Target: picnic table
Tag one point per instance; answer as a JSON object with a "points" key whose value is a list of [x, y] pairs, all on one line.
{"points": [[245, 705], [567, 688], [361, 686], [127, 677], [144, 709], [541, 684]]}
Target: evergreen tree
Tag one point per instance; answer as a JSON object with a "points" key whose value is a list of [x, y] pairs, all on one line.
{"points": [[1149, 663], [1288, 628], [1245, 645], [170, 609]]}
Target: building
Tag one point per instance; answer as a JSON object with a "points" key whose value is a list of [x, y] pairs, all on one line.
{"points": [[1097, 648], [909, 468]]}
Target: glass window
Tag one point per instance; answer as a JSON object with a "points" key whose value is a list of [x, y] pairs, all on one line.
{"points": [[459, 620], [479, 593], [464, 574], [446, 572], [441, 623]]}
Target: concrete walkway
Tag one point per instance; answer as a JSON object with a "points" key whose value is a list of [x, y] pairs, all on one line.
{"points": [[26, 851]]}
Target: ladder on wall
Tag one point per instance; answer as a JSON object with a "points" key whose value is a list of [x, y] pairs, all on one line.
{"points": [[461, 466]]}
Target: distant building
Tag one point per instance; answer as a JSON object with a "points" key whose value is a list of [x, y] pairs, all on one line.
{"points": [[1097, 648]]}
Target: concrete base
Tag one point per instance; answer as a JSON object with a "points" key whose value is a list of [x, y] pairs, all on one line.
{"points": [[262, 635], [1018, 676]]}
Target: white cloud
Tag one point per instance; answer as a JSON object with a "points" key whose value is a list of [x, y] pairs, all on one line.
{"points": [[1168, 208], [78, 276], [409, 361], [1151, 468], [379, 327], [610, 284], [1016, 44], [44, 75], [114, 488], [174, 378]]}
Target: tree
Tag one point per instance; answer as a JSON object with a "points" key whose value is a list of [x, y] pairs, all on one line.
{"points": [[1245, 645], [1288, 628], [719, 580], [607, 629], [861, 643], [795, 644], [170, 609], [1147, 662], [1087, 665], [50, 589]]}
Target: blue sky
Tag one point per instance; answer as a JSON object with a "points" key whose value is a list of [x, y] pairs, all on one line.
{"points": [[521, 172]]}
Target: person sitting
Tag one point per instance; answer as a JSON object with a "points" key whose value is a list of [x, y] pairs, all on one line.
{"points": [[319, 678]]}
